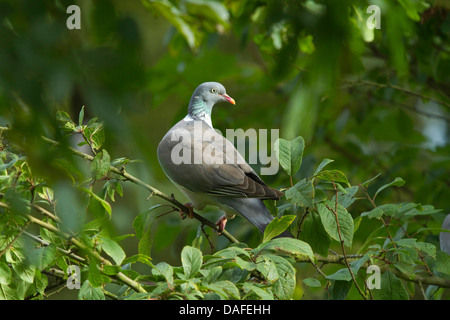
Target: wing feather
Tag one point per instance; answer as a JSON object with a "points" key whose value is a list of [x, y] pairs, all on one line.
{"points": [[223, 172]]}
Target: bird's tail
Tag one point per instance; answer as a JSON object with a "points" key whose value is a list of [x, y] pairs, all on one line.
{"points": [[256, 212]]}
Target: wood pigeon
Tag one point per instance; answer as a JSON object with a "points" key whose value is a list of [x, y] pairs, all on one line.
{"points": [[208, 169]]}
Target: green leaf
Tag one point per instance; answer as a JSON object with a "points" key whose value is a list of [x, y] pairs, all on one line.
{"points": [[345, 220], [118, 188], [100, 165], [191, 259], [243, 264], [145, 244], [94, 134], [312, 282], [8, 293], [95, 277], [24, 271], [43, 256], [322, 165], [9, 164], [104, 203], [68, 206], [442, 262], [388, 209], [391, 288], [315, 235], [376, 233], [5, 274], [340, 289], [167, 271], [400, 210], [142, 224], [333, 175], [302, 193], [277, 226], [41, 283], [175, 17], [289, 154], [88, 292], [263, 294], [64, 117], [120, 161], [425, 247], [366, 183], [266, 266], [229, 287], [285, 285], [212, 274], [397, 182], [112, 249], [210, 10], [413, 209], [232, 252], [414, 8], [139, 258], [111, 270], [306, 44], [81, 116], [271, 205], [348, 197], [144, 220], [224, 288], [289, 245], [344, 274]]}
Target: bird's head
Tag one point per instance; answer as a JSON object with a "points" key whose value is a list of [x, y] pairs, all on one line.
{"points": [[206, 96]]}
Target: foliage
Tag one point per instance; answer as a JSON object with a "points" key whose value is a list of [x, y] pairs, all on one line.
{"points": [[351, 102], [236, 272]]}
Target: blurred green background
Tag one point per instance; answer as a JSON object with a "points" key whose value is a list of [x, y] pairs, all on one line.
{"points": [[374, 100]]}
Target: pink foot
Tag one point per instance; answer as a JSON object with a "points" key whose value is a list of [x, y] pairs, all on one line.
{"points": [[221, 224], [190, 214]]}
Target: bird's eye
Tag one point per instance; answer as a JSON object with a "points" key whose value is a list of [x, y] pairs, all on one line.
{"points": [[213, 90]]}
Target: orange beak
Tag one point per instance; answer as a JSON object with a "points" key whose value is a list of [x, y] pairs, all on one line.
{"points": [[228, 98]]}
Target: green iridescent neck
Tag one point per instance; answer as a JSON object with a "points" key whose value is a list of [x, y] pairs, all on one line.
{"points": [[199, 108]]}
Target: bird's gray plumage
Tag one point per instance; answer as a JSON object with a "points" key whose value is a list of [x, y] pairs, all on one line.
{"points": [[221, 176], [444, 237]]}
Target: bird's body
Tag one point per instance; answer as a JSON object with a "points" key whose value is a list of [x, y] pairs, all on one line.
{"points": [[207, 168]]}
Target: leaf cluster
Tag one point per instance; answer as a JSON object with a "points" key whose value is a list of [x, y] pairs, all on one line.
{"points": [[323, 205], [73, 231]]}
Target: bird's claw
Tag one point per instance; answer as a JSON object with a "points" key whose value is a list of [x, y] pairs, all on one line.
{"points": [[221, 224], [189, 214]]}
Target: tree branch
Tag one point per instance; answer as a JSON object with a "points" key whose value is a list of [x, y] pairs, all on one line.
{"points": [[407, 276], [92, 253], [153, 191], [66, 252], [395, 87], [333, 259], [342, 242]]}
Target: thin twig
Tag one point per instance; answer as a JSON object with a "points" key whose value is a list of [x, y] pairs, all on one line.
{"points": [[335, 212], [66, 252], [395, 87], [15, 238], [407, 276], [207, 238], [385, 223], [92, 253]]}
